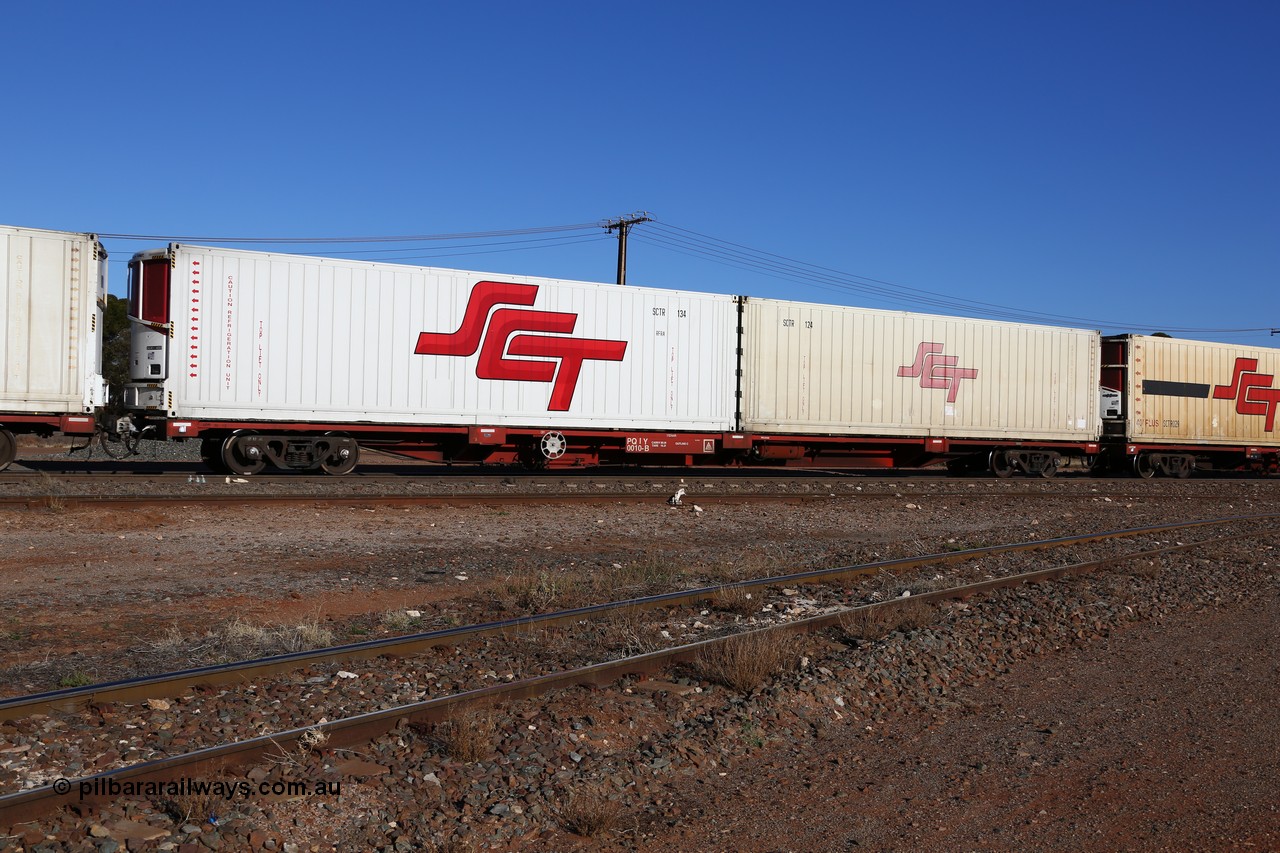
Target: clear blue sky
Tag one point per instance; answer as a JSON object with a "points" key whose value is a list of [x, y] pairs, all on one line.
{"points": [[1116, 162]]}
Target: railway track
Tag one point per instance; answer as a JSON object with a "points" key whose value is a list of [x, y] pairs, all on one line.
{"points": [[358, 727], [73, 501], [68, 490]]}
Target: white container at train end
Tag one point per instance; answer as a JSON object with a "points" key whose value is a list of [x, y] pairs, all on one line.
{"points": [[272, 337], [854, 371], [53, 285], [1198, 392]]}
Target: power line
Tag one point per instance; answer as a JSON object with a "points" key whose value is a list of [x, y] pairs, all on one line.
{"points": [[814, 277], [684, 241], [471, 235], [595, 238], [779, 266], [440, 251], [802, 271], [865, 283], [561, 240]]}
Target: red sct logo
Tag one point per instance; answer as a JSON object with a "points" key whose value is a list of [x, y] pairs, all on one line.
{"points": [[1252, 392], [548, 357]]}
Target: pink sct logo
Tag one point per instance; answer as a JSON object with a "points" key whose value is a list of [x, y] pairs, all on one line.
{"points": [[936, 370]]}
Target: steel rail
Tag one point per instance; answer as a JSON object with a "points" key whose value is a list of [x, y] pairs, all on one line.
{"points": [[74, 699], [28, 805]]}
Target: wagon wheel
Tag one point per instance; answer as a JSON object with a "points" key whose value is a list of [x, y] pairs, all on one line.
{"points": [[342, 460], [1143, 466], [553, 445], [240, 457], [8, 448], [1000, 464], [1188, 464]]}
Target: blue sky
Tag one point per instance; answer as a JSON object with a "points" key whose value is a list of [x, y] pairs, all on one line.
{"points": [[1109, 165]]}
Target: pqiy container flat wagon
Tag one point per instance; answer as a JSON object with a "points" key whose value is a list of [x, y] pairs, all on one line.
{"points": [[1174, 405], [298, 359], [53, 287]]}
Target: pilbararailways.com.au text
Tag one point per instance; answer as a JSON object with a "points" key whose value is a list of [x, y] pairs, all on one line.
{"points": [[223, 790]]}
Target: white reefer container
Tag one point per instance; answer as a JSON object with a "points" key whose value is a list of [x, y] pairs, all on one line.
{"points": [[252, 336], [53, 287], [823, 369], [1197, 392]]}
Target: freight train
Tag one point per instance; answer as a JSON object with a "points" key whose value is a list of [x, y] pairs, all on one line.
{"points": [[299, 362]]}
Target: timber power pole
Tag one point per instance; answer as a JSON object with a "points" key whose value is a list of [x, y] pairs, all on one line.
{"points": [[623, 225]]}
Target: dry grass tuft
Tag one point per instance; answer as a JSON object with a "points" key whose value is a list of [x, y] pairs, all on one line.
{"points": [[746, 661], [536, 593], [468, 736], [191, 808], [914, 614], [399, 620], [644, 576], [734, 599], [240, 640], [890, 585], [53, 500], [916, 547], [546, 590], [589, 812], [536, 643], [277, 639], [875, 623], [312, 738], [629, 632]]}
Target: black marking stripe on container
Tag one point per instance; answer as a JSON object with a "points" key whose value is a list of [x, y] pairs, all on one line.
{"points": [[1159, 388]]}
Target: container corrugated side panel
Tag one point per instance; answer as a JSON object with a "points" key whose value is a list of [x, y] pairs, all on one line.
{"points": [[852, 371], [50, 282], [282, 338], [1199, 392]]}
